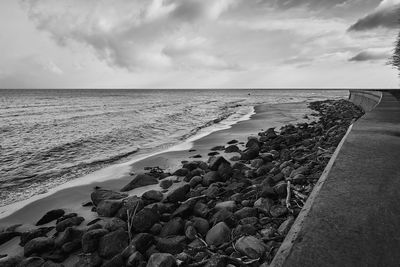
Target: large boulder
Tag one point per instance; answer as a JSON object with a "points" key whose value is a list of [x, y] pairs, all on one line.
{"points": [[251, 247], [250, 153], [113, 243], [71, 234], [51, 216], [38, 245], [218, 235], [108, 207], [145, 219], [161, 260], [103, 194], [139, 181], [90, 240], [179, 193]]}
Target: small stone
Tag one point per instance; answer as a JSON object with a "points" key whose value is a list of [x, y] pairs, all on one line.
{"points": [[135, 259], [278, 211], [179, 193], [153, 195], [285, 226], [161, 260], [173, 245], [232, 149], [251, 247], [201, 225], [246, 212], [264, 204], [229, 205], [74, 221], [166, 183], [102, 194], [200, 209], [173, 227], [218, 235]]}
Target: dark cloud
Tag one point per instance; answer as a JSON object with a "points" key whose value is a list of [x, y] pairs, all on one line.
{"points": [[371, 56], [387, 17]]}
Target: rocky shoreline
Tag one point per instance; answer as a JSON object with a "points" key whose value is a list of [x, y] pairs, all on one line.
{"points": [[223, 212]]}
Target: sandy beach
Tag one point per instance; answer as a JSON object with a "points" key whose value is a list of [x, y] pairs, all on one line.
{"points": [[71, 198]]}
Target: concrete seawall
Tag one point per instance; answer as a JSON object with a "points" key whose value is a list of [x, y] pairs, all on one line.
{"points": [[352, 217]]}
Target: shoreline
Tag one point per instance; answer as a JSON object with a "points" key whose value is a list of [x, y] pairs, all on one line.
{"points": [[247, 198], [118, 172]]}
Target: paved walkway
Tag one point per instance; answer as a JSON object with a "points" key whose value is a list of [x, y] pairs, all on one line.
{"points": [[354, 219]]}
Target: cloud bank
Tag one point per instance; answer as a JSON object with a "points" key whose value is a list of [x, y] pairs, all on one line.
{"points": [[386, 15]]}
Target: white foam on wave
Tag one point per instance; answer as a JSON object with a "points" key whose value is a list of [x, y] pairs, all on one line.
{"points": [[117, 171]]}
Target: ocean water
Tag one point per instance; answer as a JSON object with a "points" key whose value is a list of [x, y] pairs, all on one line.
{"points": [[48, 137]]}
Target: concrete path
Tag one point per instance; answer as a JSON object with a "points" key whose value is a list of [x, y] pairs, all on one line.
{"points": [[354, 216]]}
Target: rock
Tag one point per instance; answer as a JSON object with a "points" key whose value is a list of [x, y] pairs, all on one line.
{"points": [[229, 205], [218, 148], [285, 226], [278, 177], [190, 232], [173, 244], [270, 134], [161, 260], [139, 181], [224, 171], [246, 229], [130, 204], [69, 235], [251, 247], [73, 221], [250, 153], [233, 142], [90, 240], [103, 194], [38, 245], [218, 235], [108, 208], [232, 149], [89, 260], [156, 229], [70, 247], [246, 212], [200, 209], [268, 232], [252, 142], [249, 220], [173, 227], [113, 243], [135, 259], [267, 157], [287, 171], [31, 262], [142, 242], [256, 163], [10, 261], [222, 216], [153, 195], [285, 155], [181, 172], [116, 261], [179, 193], [51, 216], [212, 192], [29, 235], [264, 204], [195, 181], [281, 189], [201, 225], [216, 161], [216, 261], [210, 178], [278, 211], [116, 223], [7, 236], [145, 219], [166, 183]]}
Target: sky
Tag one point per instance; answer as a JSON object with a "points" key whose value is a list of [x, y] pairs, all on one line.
{"points": [[198, 43]]}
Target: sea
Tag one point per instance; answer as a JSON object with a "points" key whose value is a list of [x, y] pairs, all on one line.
{"points": [[49, 137]]}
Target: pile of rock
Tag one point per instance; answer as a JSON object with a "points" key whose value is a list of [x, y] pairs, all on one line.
{"points": [[223, 213]]}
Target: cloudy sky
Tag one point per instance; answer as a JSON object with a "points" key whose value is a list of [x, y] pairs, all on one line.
{"points": [[197, 43]]}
